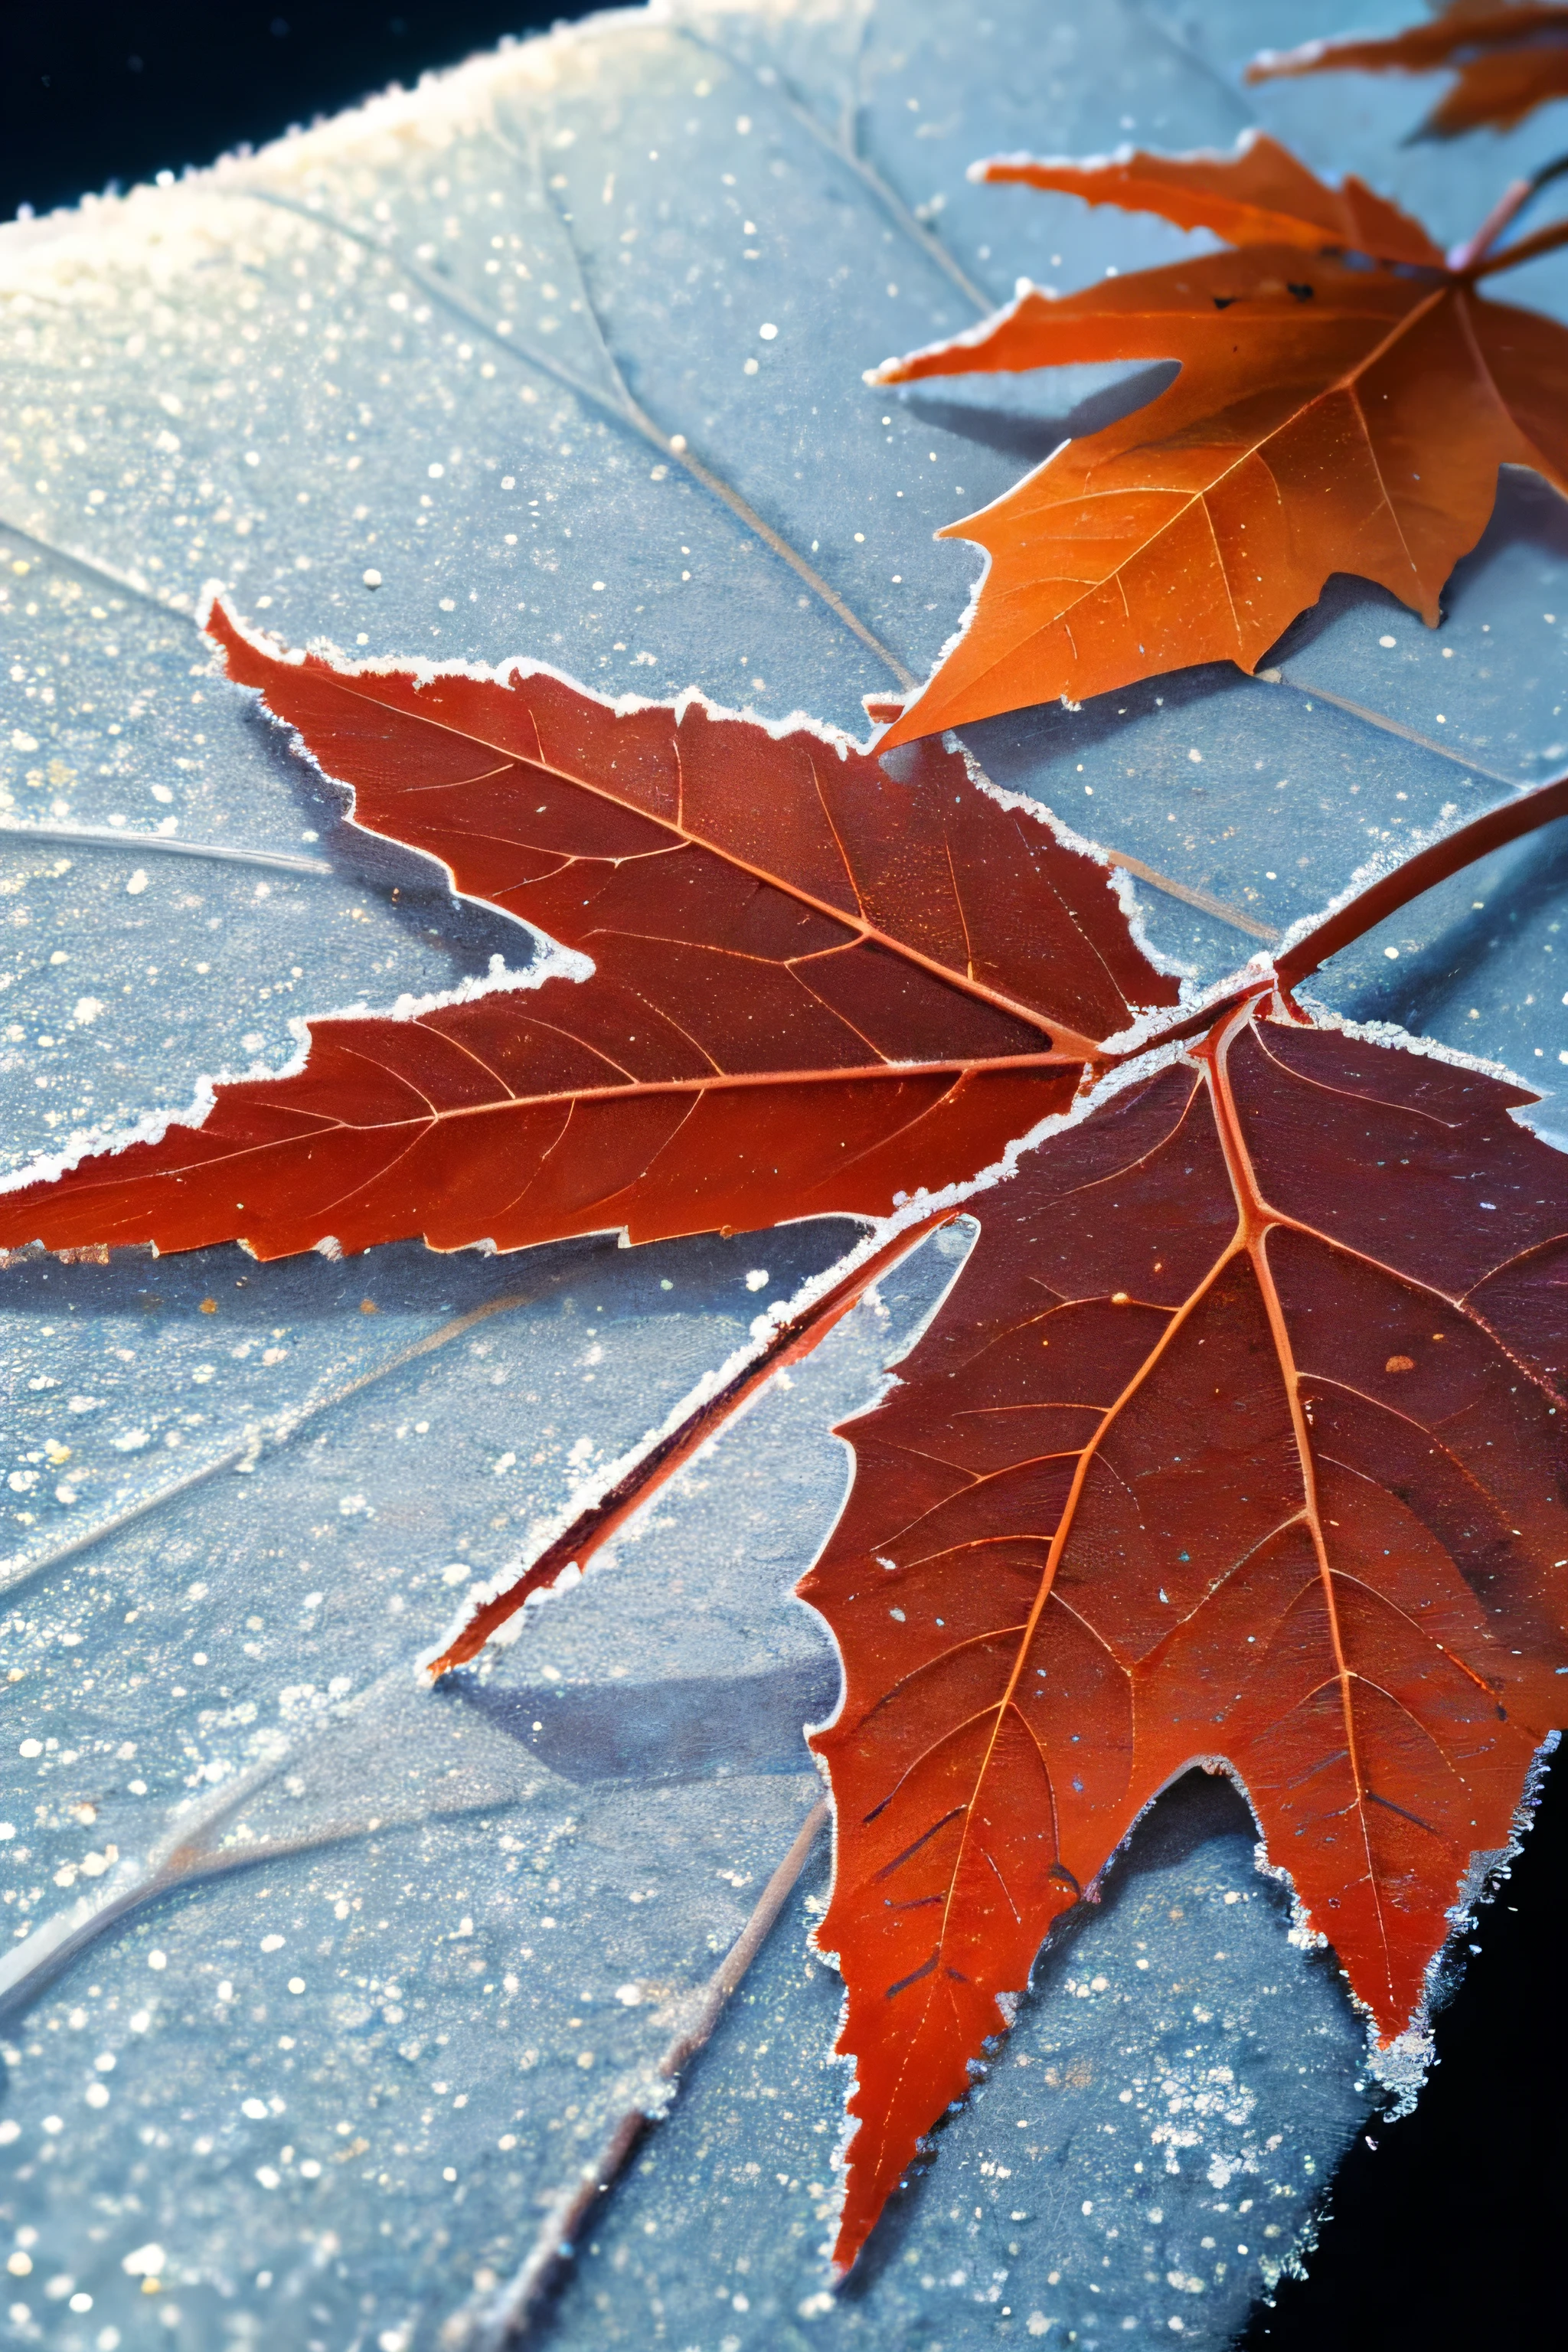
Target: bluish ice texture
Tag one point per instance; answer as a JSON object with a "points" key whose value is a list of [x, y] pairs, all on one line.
{"points": [[321, 1985]]}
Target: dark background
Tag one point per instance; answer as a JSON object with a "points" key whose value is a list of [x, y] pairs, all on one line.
{"points": [[1448, 2234], [95, 92]]}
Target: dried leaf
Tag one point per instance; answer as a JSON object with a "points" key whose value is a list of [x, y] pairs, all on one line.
{"points": [[1507, 61], [1328, 416]]}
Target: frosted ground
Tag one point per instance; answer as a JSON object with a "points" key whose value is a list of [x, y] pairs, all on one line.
{"points": [[381, 1965]]}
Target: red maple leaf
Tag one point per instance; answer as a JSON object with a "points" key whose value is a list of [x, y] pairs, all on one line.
{"points": [[1237, 1440], [821, 981]]}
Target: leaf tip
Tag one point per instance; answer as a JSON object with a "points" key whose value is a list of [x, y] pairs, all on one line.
{"points": [[903, 730]]}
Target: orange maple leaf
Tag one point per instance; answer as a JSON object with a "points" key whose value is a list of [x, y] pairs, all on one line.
{"points": [[1508, 61], [1346, 396]]}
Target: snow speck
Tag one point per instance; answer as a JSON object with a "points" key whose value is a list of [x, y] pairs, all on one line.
{"points": [[136, 884], [758, 1278]]}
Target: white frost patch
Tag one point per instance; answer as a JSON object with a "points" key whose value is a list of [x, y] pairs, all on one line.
{"points": [[1198, 2101]]}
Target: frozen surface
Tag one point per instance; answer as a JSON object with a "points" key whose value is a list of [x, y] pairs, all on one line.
{"points": [[1142, 2154], [319, 1986]]}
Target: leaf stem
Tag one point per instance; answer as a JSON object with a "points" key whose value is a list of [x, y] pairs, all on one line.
{"points": [[1507, 209], [591, 1527], [1513, 820], [508, 2318], [1529, 248], [1443, 858]]}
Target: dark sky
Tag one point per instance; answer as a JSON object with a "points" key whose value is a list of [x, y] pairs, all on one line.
{"points": [[98, 91]]}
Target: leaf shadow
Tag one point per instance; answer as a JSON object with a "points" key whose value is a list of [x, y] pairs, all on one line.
{"points": [[1528, 513], [415, 888], [249, 1293], [1017, 433], [699, 1727], [703, 1271], [1023, 751]]}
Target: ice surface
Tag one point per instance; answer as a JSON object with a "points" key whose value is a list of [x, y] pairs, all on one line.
{"points": [[405, 385]]}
